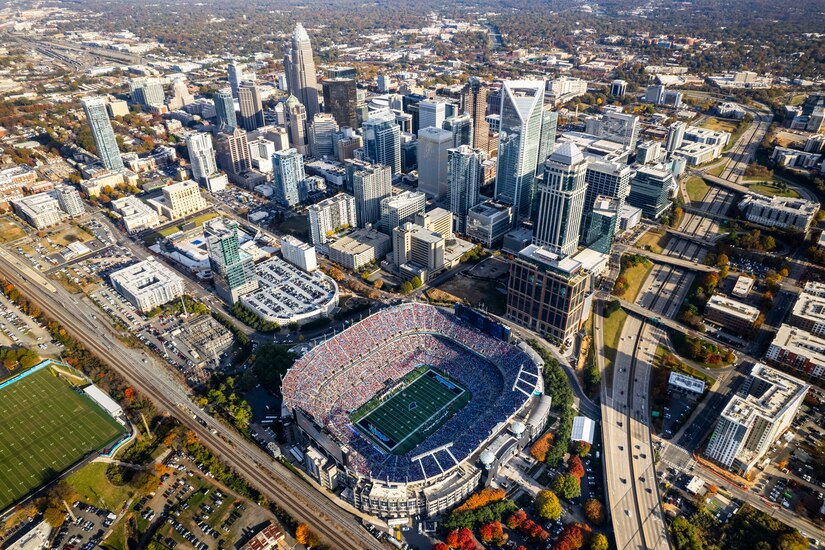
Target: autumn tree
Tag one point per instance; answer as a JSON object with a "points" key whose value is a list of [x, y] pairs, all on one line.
{"points": [[567, 486], [581, 448], [304, 536], [575, 467], [440, 546], [594, 511], [481, 498], [541, 447], [516, 519], [547, 505], [599, 542]]}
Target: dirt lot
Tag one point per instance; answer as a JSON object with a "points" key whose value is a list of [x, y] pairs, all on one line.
{"points": [[477, 292]]}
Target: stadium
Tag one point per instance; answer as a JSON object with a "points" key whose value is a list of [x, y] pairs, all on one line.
{"points": [[405, 410]]}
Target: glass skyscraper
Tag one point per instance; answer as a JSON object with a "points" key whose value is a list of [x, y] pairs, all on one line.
{"points": [[382, 140], [102, 133], [299, 67], [232, 268], [225, 110], [464, 173]]}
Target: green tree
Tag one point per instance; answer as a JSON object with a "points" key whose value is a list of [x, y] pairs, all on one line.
{"points": [[416, 282], [599, 542], [567, 486], [547, 505]]}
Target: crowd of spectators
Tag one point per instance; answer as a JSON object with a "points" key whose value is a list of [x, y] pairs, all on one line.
{"points": [[338, 376]]}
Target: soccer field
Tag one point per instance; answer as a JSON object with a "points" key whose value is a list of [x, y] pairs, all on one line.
{"points": [[45, 427], [410, 415]]}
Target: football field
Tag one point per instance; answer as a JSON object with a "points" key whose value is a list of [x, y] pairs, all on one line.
{"points": [[45, 427], [408, 416]]}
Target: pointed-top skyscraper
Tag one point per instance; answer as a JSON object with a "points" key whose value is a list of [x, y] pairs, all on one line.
{"points": [[299, 67]]}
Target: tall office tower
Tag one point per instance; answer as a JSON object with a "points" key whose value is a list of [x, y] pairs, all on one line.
{"points": [[655, 94], [622, 128], [546, 293], [288, 177], [604, 219], [607, 179], [431, 113], [761, 411], [382, 140], [180, 96], [400, 209], [549, 121], [519, 141], [474, 103], [300, 71], [321, 133], [146, 91], [433, 144], [561, 201], [650, 189], [464, 173], [342, 72], [361, 107], [252, 106], [260, 153], [618, 88], [225, 110], [331, 215], [69, 200], [675, 136], [201, 156], [341, 100], [345, 142], [237, 75], [462, 128], [371, 184], [102, 133], [232, 268], [233, 152], [296, 124]]}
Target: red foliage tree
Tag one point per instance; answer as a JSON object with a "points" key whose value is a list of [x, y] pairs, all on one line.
{"points": [[440, 546], [452, 539], [575, 467], [482, 498], [516, 519], [466, 540]]}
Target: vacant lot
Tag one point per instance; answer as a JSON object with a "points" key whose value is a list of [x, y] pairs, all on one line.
{"points": [[773, 190], [70, 234], [10, 231], [654, 241], [696, 188], [477, 292], [719, 125]]}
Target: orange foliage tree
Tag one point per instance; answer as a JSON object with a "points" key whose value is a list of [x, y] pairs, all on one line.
{"points": [[541, 447], [481, 498]]}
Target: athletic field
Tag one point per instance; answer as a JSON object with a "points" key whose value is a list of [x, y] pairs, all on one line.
{"points": [[45, 427], [409, 415]]}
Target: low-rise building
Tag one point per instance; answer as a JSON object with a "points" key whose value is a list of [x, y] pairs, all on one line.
{"points": [[205, 337], [359, 248], [798, 351], [135, 214], [698, 153], [147, 284], [267, 538], [782, 212], [488, 222], [731, 314], [743, 286], [299, 253], [41, 211], [686, 384], [809, 309]]}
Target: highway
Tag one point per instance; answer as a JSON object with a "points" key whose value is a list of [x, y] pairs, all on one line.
{"points": [[141, 370]]}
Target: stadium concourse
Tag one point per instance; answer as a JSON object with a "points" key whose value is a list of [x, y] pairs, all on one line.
{"points": [[372, 362]]}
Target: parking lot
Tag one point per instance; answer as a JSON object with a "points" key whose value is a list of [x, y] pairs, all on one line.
{"points": [[19, 329], [85, 530]]}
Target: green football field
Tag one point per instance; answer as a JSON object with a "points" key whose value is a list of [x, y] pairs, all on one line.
{"points": [[408, 416], [45, 427]]}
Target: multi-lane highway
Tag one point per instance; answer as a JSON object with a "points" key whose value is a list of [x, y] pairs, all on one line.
{"points": [[744, 150], [304, 502]]}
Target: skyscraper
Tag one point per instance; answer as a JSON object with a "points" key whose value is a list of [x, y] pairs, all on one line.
{"points": [[561, 201], [146, 91], [382, 140], [650, 190], [299, 67], [464, 173], [341, 100], [288, 177], [201, 156], [237, 75], [232, 268], [370, 185], [233, 152], [102, 133], [225, 110], [433, 144], [296, 123], [321, 133], [252, 106], [400, 209], [675, 136], [431, 113], [606, 179], [603, 221], [462, 128], [519, 143], [474, 103], [549, 121]]}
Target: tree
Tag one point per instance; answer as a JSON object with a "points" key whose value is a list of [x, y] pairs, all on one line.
{"points": [[581, 448], [594, 511], [304, 536], [481, 498], [516, 519], [55, 516], [416, 282], [567, 486], [575, 467], [547, 505], [378, 284], [406, 287], [440, 546], [599, 542], [541, 446]]}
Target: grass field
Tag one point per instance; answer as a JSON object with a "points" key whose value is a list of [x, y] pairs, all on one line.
{"points": [[653, 241], [45, 427], [636, 276], [410, 415], [715, 124], [71, 234], [772, 190], [10, 231], [93, 486], [696, 188], [612, 327]]}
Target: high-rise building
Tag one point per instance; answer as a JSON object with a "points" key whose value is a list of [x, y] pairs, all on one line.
{"points": [[342, 72], [382, 140], [461, 127], [400, 209], [225, 110], [618, 88], [180, 96], [474, 103], [603, 221], [761, 411], [331, 215], [464, 173], [549, 121], [288, 177], [321, 133], [233, 152], [69, 200], [561, 201], [296, 123], [438, 220], [102, 133], [371, 184], [618, 127], [519, 143], [655, 94], [675, 136], [260, 153], [650, 190], [345, 142], [417, 251], [232, 268], [146, 91], [488, 222], [546, 293], [181, 199], [300, 71], [237, 74], [201, 156], [431, 113], [604, 178], [433, 144], [252, 106], [341, 100]]}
